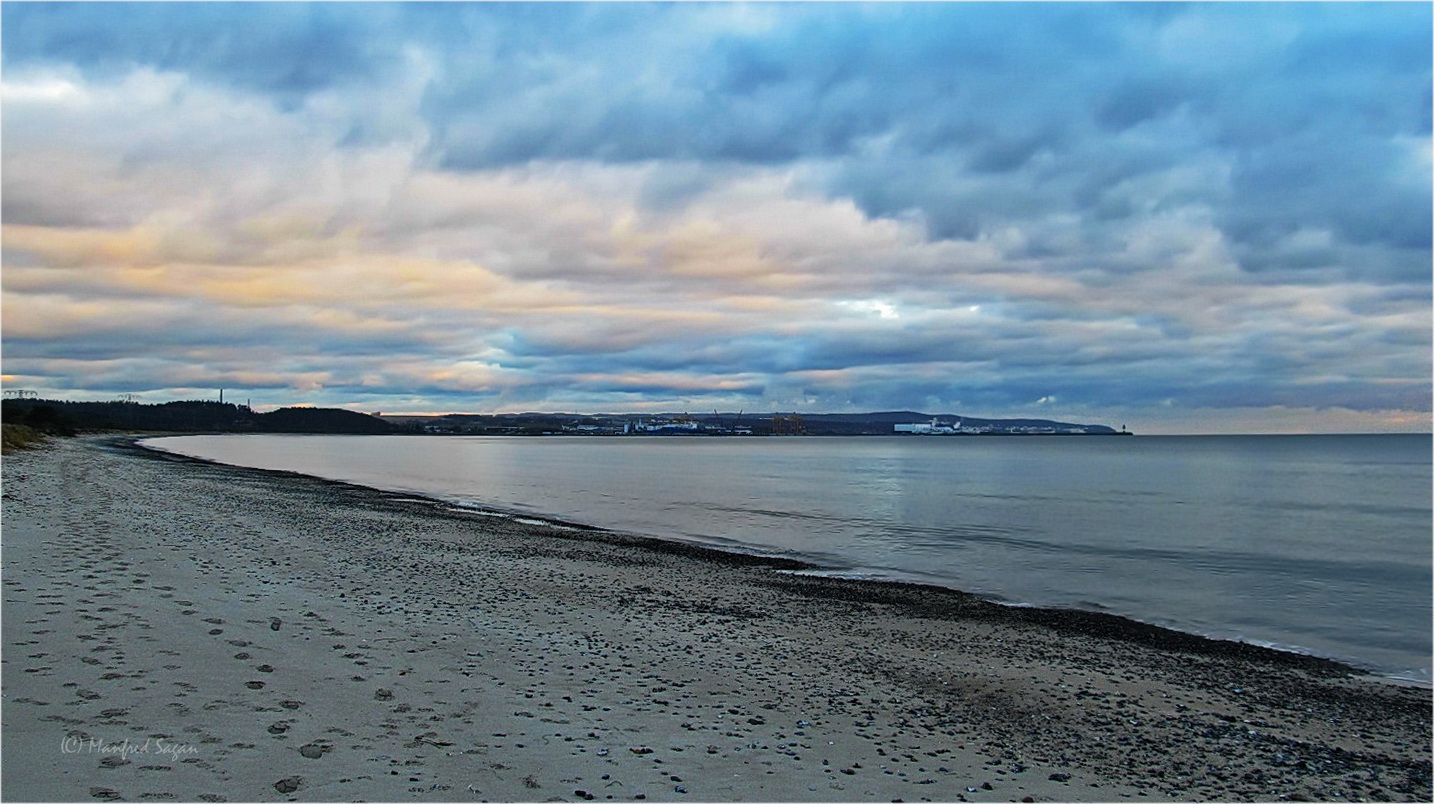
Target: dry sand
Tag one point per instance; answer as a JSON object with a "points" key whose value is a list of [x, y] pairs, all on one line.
{"points": [[258, 636]]}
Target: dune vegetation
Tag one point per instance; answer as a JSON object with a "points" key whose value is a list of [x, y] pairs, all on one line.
{"points": [[19, 436]]}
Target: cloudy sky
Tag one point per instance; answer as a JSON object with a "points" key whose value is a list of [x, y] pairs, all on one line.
{"points": [[1187, 218]]}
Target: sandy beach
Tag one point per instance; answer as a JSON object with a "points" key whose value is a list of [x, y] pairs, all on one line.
{"points": [[176, 630]]}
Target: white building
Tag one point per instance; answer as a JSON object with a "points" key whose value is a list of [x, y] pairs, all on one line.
{"points": [[935, 427]]}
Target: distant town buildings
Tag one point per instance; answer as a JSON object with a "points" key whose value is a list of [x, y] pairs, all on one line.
{"points": [[934, 428], [937, 427], [736, 424]]}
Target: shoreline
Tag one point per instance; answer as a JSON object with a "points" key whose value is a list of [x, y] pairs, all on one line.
{"points": [[918, 596], [315, 640]]}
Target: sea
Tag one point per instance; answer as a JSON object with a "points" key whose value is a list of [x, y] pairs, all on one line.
{"points": [[1318, 544]]}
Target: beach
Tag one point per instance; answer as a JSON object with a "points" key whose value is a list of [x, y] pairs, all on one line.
{"points": [[178, 630]]}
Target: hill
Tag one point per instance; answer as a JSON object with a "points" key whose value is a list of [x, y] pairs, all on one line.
{"points": [[64, 418]]}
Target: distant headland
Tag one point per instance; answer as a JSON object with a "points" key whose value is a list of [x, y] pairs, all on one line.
{"points": [[64, 417], [740, 423]]}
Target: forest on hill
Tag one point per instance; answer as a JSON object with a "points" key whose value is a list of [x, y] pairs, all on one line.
{"points": [[67, 418]]}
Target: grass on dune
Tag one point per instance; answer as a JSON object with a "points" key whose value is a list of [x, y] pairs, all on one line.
{"points": [[19, 436]]}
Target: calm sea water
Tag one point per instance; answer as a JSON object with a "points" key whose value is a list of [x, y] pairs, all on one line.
{"points": [[1313, 543]]}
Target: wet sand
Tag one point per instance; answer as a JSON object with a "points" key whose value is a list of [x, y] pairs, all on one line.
{"points": [[260, 636]]}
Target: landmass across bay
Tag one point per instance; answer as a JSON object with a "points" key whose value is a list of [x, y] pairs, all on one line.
{"points": [[744, 424], [209, 416]]}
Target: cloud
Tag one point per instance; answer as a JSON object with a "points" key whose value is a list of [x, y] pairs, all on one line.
{"points": [[887, 206]]}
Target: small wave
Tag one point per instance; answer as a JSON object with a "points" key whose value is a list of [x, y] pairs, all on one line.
{"points": [[419, 500], [476, 510], [846, 575], [1411, 678], [545, 523]]}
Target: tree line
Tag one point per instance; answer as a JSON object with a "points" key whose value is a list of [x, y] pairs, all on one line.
{"points": [[64, 418]]}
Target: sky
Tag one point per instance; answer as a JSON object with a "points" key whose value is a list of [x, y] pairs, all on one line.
{"points": [[1187, 218]]}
